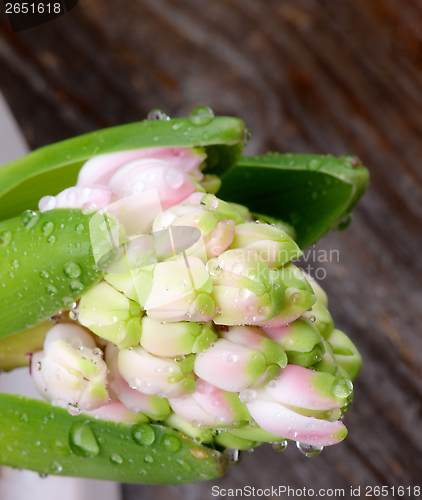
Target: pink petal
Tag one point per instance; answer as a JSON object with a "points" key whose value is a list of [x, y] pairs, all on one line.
{"points": [[229, 366], [212, 400], [100, 169], [72, 334], [279, 420], [171, 183], [191, 411], [94, 197], [116, 412], [297, 386], [133, 399]]}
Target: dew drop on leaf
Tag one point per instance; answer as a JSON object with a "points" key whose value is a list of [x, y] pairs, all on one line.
{"points": [[83, 441], [171, 443], [72, 270], [143, 434], [201, 115], [29, 218], [116, 459], [48, 228]]}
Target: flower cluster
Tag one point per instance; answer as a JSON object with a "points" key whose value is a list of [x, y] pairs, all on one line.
{"points": [[202, 322]]}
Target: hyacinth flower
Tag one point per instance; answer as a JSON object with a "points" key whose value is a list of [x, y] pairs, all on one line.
{"points": [[146, 278]]}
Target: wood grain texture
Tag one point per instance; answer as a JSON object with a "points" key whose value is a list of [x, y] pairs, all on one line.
{"points": [[307, 76]]}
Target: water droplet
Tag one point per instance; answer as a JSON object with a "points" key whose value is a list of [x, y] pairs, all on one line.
{"points": [[76, 285], [157, 114], [76, 343], [143, 434], [263, 311], [15, 264], [5, 237], [343, 388], [171, 443], [314, 163], [58, 447], [234, 456], [51, 289], [247, 396], [308, 449], [344, 223], [177, 125], [29, 218], [73, 410], [82, 440], [149, 459], [231, 358], [173, 178], [24, 418], [184, 464], [47, 228], [79, 228], [213, 267], [72, 270], [134, 383], [56, 467], [116, 459], [247, 136], [353, 160], [201, 115], [280, 445], [51, 239]]}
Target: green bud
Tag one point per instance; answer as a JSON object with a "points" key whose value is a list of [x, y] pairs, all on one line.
{"points": [[345, 353], [111, 315]]}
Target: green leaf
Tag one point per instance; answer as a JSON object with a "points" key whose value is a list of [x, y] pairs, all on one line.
{"points": [[313, 193], [37, 436], [51, 169], [46, 264]]}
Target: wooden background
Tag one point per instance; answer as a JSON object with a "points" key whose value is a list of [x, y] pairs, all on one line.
{"points": [[318, 76]]}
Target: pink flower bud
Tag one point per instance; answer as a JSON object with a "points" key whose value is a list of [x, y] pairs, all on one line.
{"points": [[298, 386], [70, 371], [152, 374], [154, 407], [118, 412], [275, 418], [273, 245], [100, 169], [94, 198], [210, 407], [230, 366], [180, 291]]}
